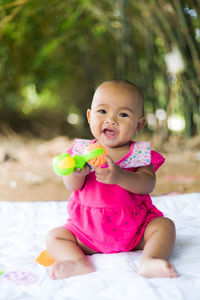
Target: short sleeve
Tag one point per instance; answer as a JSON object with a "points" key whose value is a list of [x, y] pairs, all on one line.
{"points": [[139, 155], [78, 147], [156, 159]]}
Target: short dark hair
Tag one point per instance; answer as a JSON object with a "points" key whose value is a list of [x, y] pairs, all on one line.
{"points": [[128, 82]]}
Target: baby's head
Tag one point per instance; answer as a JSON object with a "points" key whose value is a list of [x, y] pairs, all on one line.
{"points": [[116, 113], [121, 85]]}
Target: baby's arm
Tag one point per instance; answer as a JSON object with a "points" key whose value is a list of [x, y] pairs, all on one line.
{"points": [[140, 182], [76, 180]]}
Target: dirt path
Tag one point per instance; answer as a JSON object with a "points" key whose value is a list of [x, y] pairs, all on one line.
{"points": [[26, 170]]}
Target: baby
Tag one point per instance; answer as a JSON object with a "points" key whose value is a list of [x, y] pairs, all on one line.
{"points": [[110, 209]]}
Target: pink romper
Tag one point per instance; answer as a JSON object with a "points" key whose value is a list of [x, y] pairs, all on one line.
{"points": [[106, 217]]}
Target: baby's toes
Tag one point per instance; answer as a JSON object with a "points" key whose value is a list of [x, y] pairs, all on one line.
{"points": [[52, 273], [173, 272]]}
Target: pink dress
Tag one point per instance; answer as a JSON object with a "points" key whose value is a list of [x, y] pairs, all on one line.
{"points": [[106, 217]]}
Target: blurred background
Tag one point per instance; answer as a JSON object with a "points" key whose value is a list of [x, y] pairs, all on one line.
{"points": [[53, 54]]}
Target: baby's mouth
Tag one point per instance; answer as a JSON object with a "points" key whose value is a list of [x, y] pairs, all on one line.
{"points": [[109, 132]]}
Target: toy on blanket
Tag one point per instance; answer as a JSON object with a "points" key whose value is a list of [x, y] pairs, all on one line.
{"points": [[65, 164], [45, 259], [21, 277]]}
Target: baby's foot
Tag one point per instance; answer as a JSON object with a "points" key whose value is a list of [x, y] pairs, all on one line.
{"points": [[68, 268], [156, 267]]}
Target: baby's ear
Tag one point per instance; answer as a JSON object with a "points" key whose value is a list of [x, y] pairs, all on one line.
{"points": [[88, 115], [140, 125]]}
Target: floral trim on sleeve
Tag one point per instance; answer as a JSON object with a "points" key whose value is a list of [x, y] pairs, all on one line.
{"points": [[79, 145], [140, 156]]}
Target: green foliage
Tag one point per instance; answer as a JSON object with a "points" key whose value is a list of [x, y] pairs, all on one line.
{"points": [[54, 53]]}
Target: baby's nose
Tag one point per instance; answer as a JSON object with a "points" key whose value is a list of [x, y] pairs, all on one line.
{"points": [[111, 121]]}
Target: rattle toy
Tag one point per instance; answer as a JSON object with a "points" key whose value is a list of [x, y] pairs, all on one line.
{"points": [[65, 164]]}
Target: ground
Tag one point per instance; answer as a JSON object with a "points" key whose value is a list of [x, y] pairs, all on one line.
{"points": [[27, 175]]}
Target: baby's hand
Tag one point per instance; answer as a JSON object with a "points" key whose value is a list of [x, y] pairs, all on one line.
{"points": [[110, 175], [83, 172]]}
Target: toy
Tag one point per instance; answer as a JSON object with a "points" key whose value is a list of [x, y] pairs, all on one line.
{"points": [[45, 259], [21, 277], [65, 164]]}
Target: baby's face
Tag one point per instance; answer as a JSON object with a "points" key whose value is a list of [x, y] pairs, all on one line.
{"points": [[116, 114]]}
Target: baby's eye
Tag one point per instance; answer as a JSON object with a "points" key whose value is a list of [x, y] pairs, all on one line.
{"points": [[123, 115], [102, 111]]}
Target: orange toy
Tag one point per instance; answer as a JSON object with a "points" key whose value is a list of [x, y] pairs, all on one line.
{"points": [[45, 259], [99, 160]]}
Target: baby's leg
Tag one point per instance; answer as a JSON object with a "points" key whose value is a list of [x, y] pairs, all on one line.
{"points": [[70, 259], [157, 243]]}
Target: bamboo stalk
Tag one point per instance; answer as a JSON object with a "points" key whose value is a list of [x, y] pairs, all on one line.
{"points": [[12, 4], [7, 19], [190, 43]]}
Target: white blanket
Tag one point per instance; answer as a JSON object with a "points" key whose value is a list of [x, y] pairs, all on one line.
{"points": [[23, 229]]}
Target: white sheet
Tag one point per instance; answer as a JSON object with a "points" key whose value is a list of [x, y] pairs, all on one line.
{"points": [[23, 229]]}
